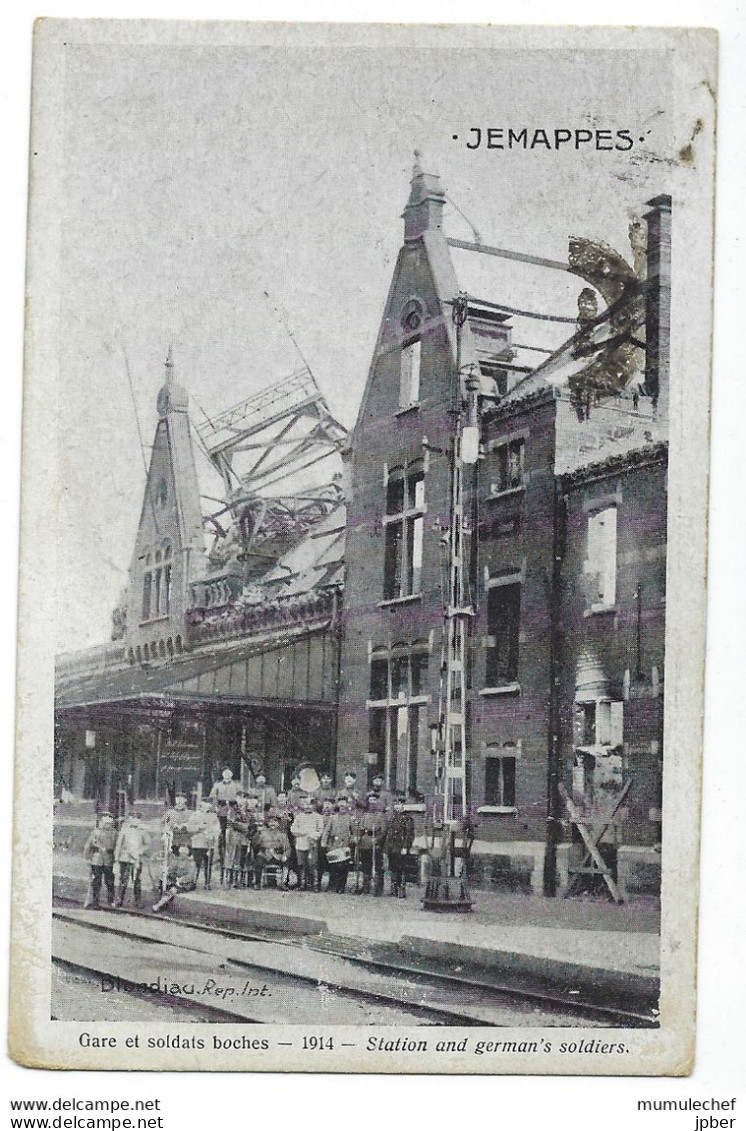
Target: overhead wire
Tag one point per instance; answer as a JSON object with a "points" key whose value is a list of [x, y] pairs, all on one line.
{"points": [[139, 436]]}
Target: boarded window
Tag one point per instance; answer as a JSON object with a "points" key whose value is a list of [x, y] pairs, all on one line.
{"points": [[599, 723], [409, 375], [601, 563]]}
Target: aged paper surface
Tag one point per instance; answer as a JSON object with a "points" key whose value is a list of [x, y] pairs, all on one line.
{"points": [[362, 594]]}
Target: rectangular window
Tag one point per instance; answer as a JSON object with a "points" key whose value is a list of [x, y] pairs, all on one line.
{"points": [[409, 375], [166, 591], [601, 561], [404, 531], [503, 626], [395, 731], [157, 592], [400, 677], [499, 782], [507, 466], [147, 584], [379, 680]]}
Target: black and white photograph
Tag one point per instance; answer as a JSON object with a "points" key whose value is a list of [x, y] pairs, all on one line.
{"points": [[363, 558]]}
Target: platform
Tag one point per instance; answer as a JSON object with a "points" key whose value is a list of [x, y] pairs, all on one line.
{"points": [[584, 941]]}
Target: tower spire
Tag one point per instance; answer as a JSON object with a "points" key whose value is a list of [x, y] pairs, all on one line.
{"points": [[172, 397], [424, 209]]}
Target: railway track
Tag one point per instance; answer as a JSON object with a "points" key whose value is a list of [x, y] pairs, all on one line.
{"points": [[324, 978]]}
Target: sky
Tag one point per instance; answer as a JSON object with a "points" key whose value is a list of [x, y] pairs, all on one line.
{"points": [[198, 178]]}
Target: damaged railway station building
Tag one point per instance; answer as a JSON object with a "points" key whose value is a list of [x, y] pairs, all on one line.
{"points": [[313, 630]]}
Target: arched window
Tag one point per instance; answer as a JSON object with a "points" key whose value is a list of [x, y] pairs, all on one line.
{"points": [[156, 586], [411, 354]]}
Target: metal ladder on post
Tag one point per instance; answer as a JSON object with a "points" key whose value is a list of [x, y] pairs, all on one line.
{"points": [[454, 747], [447, 892]]}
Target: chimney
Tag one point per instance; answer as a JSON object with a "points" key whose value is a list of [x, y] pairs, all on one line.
{"points": [[658, 313], [424, 209]]}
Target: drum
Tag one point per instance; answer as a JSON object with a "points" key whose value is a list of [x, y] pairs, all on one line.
{"points": [[337, 856]]}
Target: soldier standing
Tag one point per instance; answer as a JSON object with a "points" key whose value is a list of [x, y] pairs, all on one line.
{"points": [[204, 832], [296, 794], [264, 793], [222, 793], [385, 797], [99, 852], [132, 844], [337, 843], [372, 834], [349, 790], [326, 790], [397, 845], [307, 829]]}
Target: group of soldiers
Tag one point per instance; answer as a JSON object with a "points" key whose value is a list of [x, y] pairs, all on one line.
{"points": [[251, 836], [314, 836]]}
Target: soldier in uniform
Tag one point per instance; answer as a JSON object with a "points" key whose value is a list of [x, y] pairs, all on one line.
{"points": [[296, 794], [264, 793], [338, 839], [385, 797], [99, 852], [257, 821], [132, 844], [327, 812], [398, 844], [237, 837], [372, 834], [176, 824], [270, 847], [326, 790], [307, 829], [349, 790], [221, 794], [204, 831], [182, 876]]}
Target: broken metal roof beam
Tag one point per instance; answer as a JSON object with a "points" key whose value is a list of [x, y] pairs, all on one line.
{"points": [[502, 253]]}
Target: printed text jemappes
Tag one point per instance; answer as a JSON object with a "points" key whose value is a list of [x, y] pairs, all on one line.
{"points": [[538, 138]]}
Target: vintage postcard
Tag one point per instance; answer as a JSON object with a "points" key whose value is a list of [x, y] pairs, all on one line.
{"points": [[363, 548]]}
